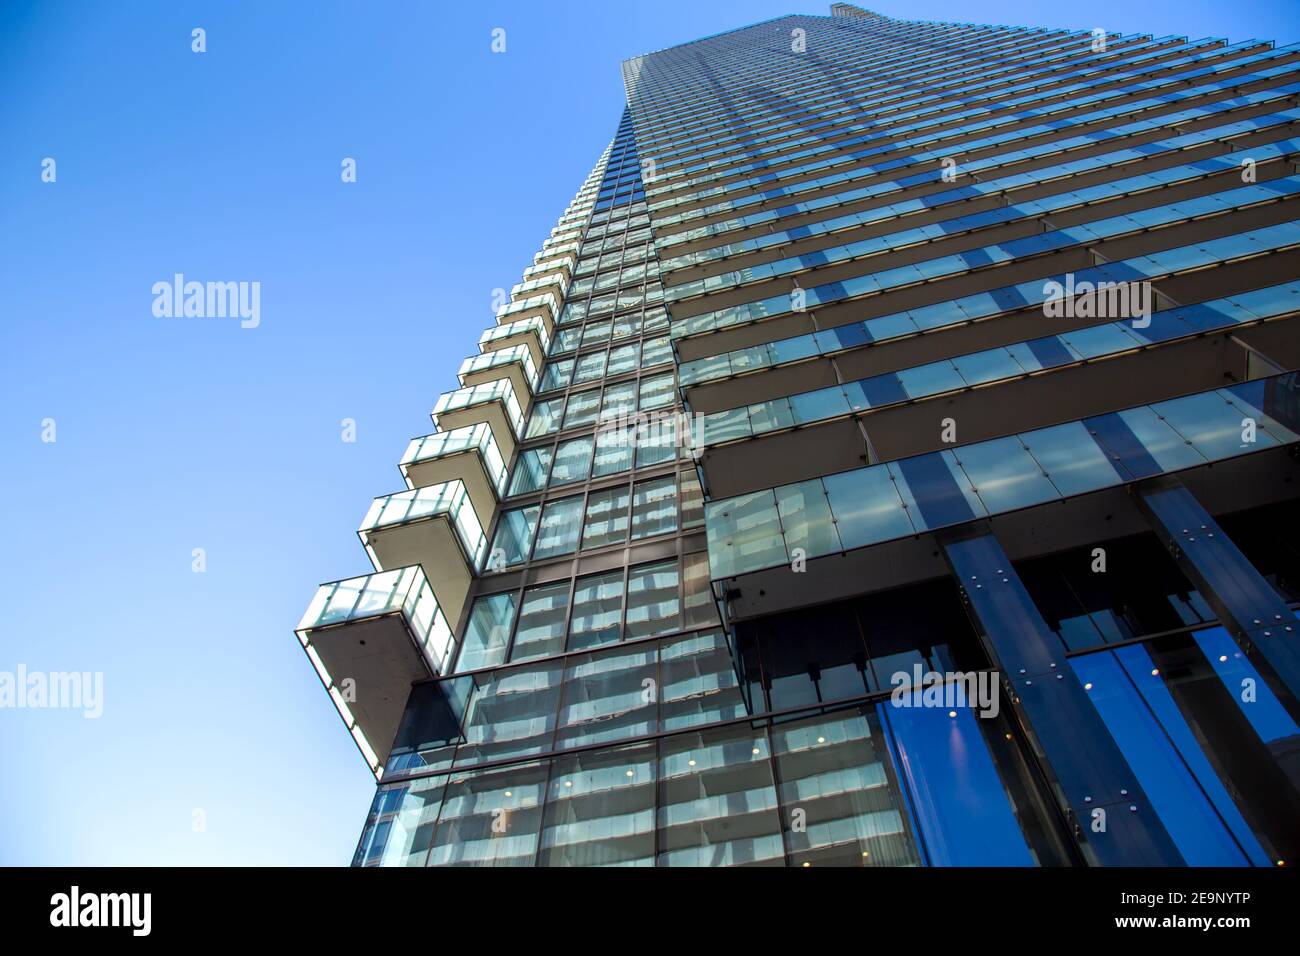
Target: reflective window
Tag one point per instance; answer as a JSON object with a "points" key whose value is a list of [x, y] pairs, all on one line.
{"points": [[652, 603], [542, 616], [488, 632], [558, 530]]}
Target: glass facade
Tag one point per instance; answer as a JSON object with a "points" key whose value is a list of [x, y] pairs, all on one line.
{"points": [[881, 465]]}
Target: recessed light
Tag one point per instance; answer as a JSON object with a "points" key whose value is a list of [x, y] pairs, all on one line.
{"points": [[631, 773], [952, 713], [1155, 672], [806, 863], [755, 751], [1222, 658], [1088, 686], [509, 794], [568, 783], [691, 762], [821, 740]]}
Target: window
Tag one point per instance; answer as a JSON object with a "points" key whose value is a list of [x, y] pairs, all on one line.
{"points": [[656, 440], [613, 451], [572, 460], [530, 470], [619, 400], [558, 531], [654, 507], [487, 633], [692, 500], [656, 391], [656, 352], [582, 408], [652, 601], [589, 368], [541, 622], [597, 611], [623, 359], [557, 375], [545, 418], [607, 521], [701, 611], [514, 538]]}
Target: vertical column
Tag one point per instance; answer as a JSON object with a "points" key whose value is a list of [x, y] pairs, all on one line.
{"points": [[1247, 605], [1115, 823]]}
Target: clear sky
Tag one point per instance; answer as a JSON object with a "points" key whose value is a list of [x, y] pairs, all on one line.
{"points": [[179, 433]]}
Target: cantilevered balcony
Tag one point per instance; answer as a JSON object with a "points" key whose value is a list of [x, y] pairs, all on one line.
{"points": [[369, 639], [997, 391], [560, 266], [545, 306], [555, 284], [533, 333], [515, 364], [493, 402], [469, 455], [1041, 490], [435, 527]]}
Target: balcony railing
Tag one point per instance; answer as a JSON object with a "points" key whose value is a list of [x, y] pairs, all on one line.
{"points": [[369, 638]]}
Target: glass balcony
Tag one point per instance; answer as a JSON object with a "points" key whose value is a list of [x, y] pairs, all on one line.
{"points": [[898, 499], [369, 638], [469, 455], [545, 305], [435, 527], [532, 333], [561, 266], [515, 364], [492, 402], [531, 288]]}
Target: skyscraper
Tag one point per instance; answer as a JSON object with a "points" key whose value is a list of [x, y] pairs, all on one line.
{"points": [[889, 459]]}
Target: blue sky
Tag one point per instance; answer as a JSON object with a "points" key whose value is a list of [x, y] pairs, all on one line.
{"points": [[176, 434]]}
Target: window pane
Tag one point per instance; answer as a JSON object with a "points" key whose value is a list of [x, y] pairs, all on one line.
{"points": [[654, 507], [475, 810], [623, 359], [656, 441], [717, 801], [837, 770], [652, 602], [692, 500], [558, 532], [557, 374], [701, 611], [487, 633], [607, 519], [530, 470], [582, 408], [657, 391], [605, 696], [589, 368], [572, 460], [545, 418], [613, 451], [514, 538], [597, 611], [600, 810], [541, 622]]}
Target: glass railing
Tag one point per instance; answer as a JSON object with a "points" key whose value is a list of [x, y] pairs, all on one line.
{"points": [[1004, 186], [402, 590], [500, 391], [924, 165], [515, 354], [447, 500], [998, 364], [979, 305], [917, 143], [1094, 230], [534, 325], [898, 499], [547, 301], [960, 263], [457, 441]]}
